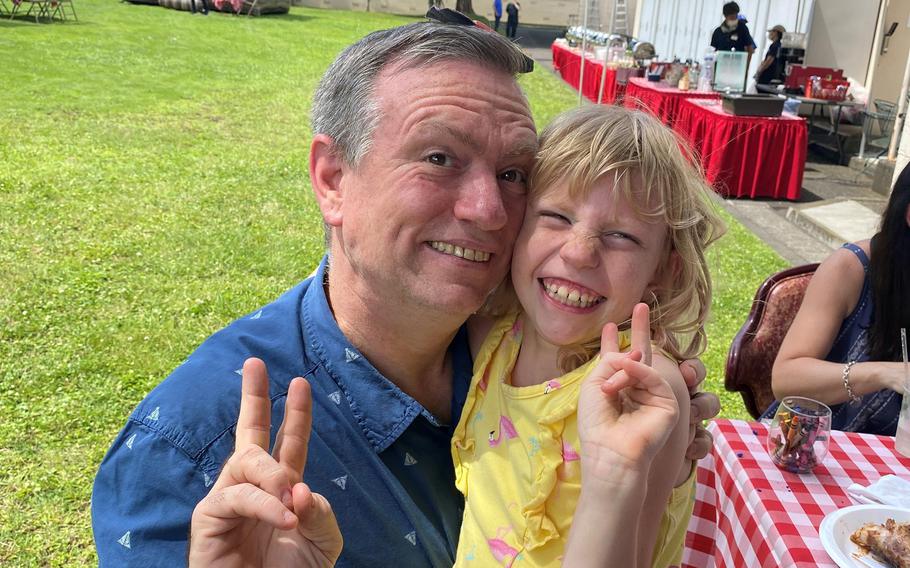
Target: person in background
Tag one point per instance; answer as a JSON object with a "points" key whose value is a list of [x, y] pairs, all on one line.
{"points": [[497, 14], [512, 9], [205, 7], [771, 67], [733, 32], [844, 345]]}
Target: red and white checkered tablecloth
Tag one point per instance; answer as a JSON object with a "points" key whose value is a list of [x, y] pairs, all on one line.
{"points": [[750, 513]]}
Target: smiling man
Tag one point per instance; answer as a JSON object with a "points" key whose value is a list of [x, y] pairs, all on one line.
{"points": [[423, 140]]}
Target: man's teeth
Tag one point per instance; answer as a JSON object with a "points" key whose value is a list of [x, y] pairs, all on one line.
{"points": [[465, 253], [571, 297]]}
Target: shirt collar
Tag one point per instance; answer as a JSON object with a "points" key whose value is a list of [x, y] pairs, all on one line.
{"points": [[382, 410]]}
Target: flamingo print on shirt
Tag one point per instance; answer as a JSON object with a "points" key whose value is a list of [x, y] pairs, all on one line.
{"points": [[500, 549], [505, 427], [568, 469]]}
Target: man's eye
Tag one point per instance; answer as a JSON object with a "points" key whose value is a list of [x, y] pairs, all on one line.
{"points": [[439, 159], [513, 176]]}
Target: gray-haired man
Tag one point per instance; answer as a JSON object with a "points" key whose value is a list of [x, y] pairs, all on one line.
{"points": [[423, 141]]}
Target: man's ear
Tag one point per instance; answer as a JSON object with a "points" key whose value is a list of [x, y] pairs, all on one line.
{"points": [[326, 172]]}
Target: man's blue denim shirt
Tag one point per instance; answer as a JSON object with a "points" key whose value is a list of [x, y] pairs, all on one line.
{"points": [[379, 457]]}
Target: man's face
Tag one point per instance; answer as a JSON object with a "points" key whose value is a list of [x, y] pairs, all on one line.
{"points": [[431, 213], [731, 19]]}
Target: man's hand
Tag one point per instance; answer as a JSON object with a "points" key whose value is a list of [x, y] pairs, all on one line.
{"points": [[259, 513], [705, 406]]}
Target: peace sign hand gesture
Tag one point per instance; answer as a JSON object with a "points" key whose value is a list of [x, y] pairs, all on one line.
{"points": [[626, 410], [259, 513]]}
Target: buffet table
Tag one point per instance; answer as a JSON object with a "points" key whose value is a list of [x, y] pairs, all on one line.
{"points": [[659, 98], [567, 62], [745, 156], [749, 513]]}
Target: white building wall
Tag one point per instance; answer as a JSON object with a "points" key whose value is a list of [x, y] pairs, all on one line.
{"points": [[842, 36]]}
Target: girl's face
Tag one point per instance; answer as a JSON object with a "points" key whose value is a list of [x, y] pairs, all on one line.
{"points": [[579, 264]]}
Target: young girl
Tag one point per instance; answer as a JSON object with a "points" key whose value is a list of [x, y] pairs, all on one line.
{"points": [[617, 215]]}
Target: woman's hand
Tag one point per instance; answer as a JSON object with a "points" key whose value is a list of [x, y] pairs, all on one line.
{"points": [[891, 375], [626, 410], [259, 513]]}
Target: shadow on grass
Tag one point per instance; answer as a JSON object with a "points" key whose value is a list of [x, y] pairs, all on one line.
{"points": [[21, 19], [25, 21], [296, 18]]}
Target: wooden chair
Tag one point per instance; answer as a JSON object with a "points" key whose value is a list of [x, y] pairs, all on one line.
{"points": [[59, 9], [42, 9], [755, 347]]}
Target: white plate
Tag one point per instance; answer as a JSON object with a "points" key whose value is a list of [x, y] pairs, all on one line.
{"points": [[837, 527]]}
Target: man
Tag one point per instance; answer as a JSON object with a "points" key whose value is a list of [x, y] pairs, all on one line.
{"points": [[771, 68], [423, 142], [733, 32], [497, 14], [512, 9]]}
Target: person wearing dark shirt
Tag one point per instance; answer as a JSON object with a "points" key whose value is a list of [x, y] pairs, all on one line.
{"points": [[733, 32], [771, 68], [512, 9]]}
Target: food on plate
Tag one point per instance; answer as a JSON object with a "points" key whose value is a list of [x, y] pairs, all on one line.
{"points": [[890, 542]]}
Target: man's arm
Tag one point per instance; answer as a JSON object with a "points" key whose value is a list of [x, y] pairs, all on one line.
{"points": [[142, 500], [703, 406], [766, 62]]}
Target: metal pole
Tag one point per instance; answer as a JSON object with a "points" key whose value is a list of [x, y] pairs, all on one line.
{"points": [[901, 110], [613, 17], [584, 47], [603, 77]]}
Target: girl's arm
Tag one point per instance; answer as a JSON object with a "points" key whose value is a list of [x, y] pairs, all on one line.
{"points": [[800, 368], [626, 413], [670, 467]]}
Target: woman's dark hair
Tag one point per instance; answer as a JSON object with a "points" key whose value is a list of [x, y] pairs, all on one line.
{"points": [[731, 8], [890, 273]]}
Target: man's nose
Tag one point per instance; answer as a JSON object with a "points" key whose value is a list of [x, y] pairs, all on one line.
{"points": [[580, 250], [480, 201]]}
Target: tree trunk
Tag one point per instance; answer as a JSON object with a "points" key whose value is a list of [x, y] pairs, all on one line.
{"points": [[464, 6]]}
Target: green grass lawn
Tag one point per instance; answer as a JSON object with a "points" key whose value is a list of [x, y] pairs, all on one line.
{"points": [[153, 187]]}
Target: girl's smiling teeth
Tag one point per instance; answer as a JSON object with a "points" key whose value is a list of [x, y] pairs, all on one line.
{"points": [[460, 252], [570, 294]]}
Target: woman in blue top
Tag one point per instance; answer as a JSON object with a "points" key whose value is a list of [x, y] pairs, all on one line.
{"points": [[844, 345]]}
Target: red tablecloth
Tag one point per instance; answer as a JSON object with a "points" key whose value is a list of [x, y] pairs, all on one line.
{"points": [[567, 62], [749, 513], [746, 156], [658, 98]]}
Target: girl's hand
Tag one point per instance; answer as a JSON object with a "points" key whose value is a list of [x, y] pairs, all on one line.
{"points": [[626, 410]]}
